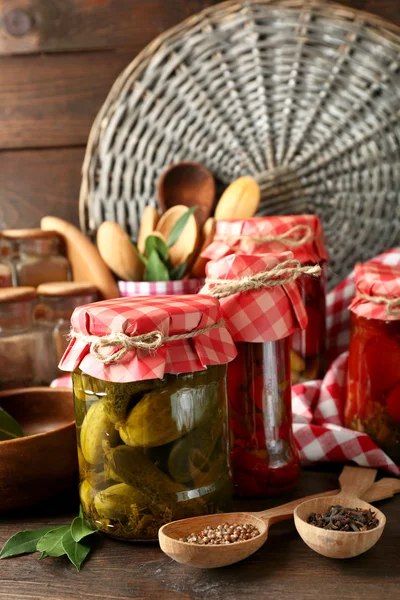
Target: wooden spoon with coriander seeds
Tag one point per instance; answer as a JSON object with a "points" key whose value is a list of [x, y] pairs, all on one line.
{"points": [[335, 543], [118, 251], [213, 556]]}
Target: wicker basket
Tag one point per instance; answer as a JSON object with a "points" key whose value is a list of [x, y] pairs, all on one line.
{"points": [[302, 95]]}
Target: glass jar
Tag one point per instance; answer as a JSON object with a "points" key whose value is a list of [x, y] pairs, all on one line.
{"points": [[152, 423], [36, 257], [308, 345], [25, 351], [166, 459], [265, 461], [55, 304], [373, 393], [261, 319]]}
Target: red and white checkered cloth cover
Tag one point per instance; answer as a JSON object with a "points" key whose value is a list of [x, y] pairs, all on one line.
{"points": [[338, 302], [229, 237], [160, 288], [318, 424], [260, 315], [318, 406], [135, 316], [375, 280]]}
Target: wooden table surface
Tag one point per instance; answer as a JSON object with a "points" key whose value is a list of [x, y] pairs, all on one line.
{"points": [[285, 568]]}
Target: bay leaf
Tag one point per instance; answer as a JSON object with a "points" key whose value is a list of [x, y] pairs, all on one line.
{"points": [[153, 242], [80, 529], [51, 542], [178, 272], [23, 542], [9, 427], [155, 269], [76, 551]]}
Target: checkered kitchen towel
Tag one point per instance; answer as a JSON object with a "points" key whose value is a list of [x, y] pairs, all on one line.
{"points": [[318, 406]]}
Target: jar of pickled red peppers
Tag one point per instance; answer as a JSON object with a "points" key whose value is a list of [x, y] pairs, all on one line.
{"points": [[262, 307], [303, 236], [373, 390], [149, 379]]}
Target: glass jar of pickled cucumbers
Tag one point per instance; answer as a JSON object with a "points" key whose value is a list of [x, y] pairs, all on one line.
{"points": [[152, 425]]}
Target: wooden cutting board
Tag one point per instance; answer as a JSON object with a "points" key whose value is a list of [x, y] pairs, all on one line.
{"points": [[85, 260]]}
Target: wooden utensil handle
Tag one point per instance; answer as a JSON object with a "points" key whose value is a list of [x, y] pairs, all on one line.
{"points": [[355, 481], [285, 511]]}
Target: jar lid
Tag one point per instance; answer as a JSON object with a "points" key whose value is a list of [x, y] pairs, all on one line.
{"points": [[377, 291], [258, 313], [17, 294], [66, 288], [301, 234], [131, 339], [28, 234]]}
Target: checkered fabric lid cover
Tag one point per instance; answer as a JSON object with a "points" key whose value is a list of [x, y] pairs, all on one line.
{"points": [[376, 280], [226, 241], [135, 316], [264, 315]]}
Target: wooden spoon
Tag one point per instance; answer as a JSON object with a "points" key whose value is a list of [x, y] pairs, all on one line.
{"points": [[340, 544], [118, 252], [240, 200], [84, 258], [210, 557], [188, 239], [188, 183], [148, 224]]}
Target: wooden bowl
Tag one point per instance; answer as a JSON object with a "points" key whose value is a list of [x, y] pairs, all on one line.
{"points": [[44, 462]]}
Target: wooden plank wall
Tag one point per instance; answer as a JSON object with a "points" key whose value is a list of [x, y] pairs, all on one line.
{"points": [[58, 60]]}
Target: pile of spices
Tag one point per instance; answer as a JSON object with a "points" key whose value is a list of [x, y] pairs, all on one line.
{"points": [[225, 533], [339, 518]]}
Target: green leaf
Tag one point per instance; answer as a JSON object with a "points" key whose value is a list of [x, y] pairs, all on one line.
{"points": [[155, 243], [178, 272], [155, 270], [180, 226], [51, 542], [43, 555], [76, 551], [9, 428], [23, 542], [80, 529], [140, 255]]}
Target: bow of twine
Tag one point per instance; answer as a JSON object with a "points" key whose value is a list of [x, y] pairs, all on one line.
{"points": [[392, 304], [149, 342], [285, 272], [288, 238]]}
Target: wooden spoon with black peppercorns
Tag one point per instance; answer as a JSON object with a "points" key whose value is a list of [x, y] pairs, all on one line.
{"points": [[209, 556]]}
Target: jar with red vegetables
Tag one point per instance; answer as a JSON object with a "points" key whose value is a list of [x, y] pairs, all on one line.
{"points": [[262, 306], [303, 236], [373, 391]]}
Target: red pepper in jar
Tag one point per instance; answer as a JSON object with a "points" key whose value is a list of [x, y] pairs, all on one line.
{"points": [[265, 461], [373, 391]]}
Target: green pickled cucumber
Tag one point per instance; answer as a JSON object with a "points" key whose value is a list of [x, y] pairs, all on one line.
{"points": [[119, 395], [191, 453], [165, 415], [118, 501], [86, 494], [96, 429]]}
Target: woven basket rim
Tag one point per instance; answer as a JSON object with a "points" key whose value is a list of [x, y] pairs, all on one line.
{"points": [[183, 27]]}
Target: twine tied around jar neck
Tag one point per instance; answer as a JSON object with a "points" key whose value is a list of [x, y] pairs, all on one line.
{"points": [[392, 304], [150, 341], [287, 238], [285, 272]]}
